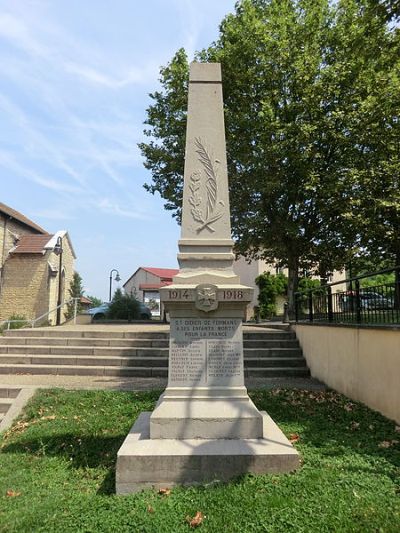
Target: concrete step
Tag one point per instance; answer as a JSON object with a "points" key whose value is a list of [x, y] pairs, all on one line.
{"points": [[5, 404], [267, 343], [274, 335], [71, 370], [72, 360], [82, 341], [128, 343], [276, 372], [60, 332], [272, 352], [6, 392], [125, 352], [64, 333], [121, 371], [288, 362], [81, 350]]}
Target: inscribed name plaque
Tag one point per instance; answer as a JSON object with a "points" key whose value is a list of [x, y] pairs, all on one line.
{"points": [[206, 352]]}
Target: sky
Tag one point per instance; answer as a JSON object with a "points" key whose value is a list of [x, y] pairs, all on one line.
{"points": [[75, 76]]}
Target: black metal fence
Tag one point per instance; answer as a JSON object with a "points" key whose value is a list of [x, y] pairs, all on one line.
{"points": [[352, 301]]}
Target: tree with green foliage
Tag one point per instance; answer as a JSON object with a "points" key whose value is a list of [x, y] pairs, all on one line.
{"points": [[96, 302], [124, 307], [75, 291], [271, 286], [309, 94]]}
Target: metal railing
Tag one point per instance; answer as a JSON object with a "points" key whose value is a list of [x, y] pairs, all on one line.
{"points": [[32, 323], [355, 302]]}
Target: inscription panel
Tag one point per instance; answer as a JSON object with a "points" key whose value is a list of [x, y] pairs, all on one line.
{"points": [[205, 352]]}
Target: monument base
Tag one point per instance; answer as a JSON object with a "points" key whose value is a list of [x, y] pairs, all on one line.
{"points": [[155, 463], [211, 418]]}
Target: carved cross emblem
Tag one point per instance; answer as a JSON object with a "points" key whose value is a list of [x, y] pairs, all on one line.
{"points": [[206, 297]]}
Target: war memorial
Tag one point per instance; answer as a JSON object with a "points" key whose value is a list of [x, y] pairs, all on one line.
{"points": [[204, 427]]}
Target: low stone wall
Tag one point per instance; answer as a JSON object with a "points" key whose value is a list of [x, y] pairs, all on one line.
{"points": [[362, 363]]}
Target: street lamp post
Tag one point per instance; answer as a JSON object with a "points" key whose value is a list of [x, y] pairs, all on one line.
{"points": [[58, 250], [117, 278]]}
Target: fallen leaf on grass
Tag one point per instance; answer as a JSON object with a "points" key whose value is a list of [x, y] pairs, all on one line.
{"points": [[294, 437], [165, 491], [150, 509], [349, 407], [354, 425], [196, 520], [387, 443], [397, 429], [50, 417], [12, 493]]}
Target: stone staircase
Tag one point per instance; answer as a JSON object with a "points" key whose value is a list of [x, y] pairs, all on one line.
{"points": [[7, 397], [58, 351]]}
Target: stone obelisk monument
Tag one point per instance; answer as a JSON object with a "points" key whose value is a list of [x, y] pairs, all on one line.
{"points": [[204, 426]]}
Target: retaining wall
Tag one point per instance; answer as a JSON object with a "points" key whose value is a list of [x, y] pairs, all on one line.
{"points": [[362, 363]]}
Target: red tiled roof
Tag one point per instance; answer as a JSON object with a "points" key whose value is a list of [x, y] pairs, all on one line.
{"points": [[32, 244], [16, 215], [163, 273], [85, 301], [153, 286]]}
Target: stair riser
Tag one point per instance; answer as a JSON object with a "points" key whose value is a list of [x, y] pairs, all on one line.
{"points": [[134, 352], [152, 335], [9, 393], [87, 334], [268, 363], [83, 361], [143, 372], [127, 343], [4, 406], [277, 373], [83, 350], [85, 371], [134, 362], [65, 341]]}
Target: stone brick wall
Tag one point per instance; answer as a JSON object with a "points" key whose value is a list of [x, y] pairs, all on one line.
{"points": [[68, 269], [29, 288], [25, 279], [8, 230]]}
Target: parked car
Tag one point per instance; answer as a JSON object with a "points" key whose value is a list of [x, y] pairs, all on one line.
{"points": [[99, 313], [373, 300], [368, 301]]}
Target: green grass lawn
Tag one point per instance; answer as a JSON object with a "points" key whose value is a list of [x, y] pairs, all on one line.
{"points": [[57, 471]]}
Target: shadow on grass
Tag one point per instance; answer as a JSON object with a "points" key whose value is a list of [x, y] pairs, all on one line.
{"points": [[333, 425], [330, 428], [80, 452]]}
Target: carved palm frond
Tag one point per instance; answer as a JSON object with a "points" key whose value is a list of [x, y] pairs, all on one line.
{"points": [[211, 183]]}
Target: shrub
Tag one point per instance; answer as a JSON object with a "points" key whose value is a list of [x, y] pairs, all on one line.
{"points": [[124, 307], [270, 287], [21, 321]]}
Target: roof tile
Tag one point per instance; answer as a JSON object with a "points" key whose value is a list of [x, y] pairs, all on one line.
{"points": [[32, 244], [13, 213]]}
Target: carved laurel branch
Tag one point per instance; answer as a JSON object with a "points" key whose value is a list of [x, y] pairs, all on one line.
{"points": [[195, 200]]}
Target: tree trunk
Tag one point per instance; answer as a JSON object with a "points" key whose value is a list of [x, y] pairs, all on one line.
{"points": [[293, 282]]}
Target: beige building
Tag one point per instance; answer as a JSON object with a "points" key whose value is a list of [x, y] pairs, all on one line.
{"points": [[30, 267], [145, 284], [248, 273]]}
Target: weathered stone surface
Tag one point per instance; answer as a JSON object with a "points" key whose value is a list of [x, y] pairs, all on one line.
{"points": [[145, 463], [204, 426]]}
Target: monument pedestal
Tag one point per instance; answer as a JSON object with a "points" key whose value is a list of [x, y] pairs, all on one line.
{"points": [[152, 463], [205, 428]]}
